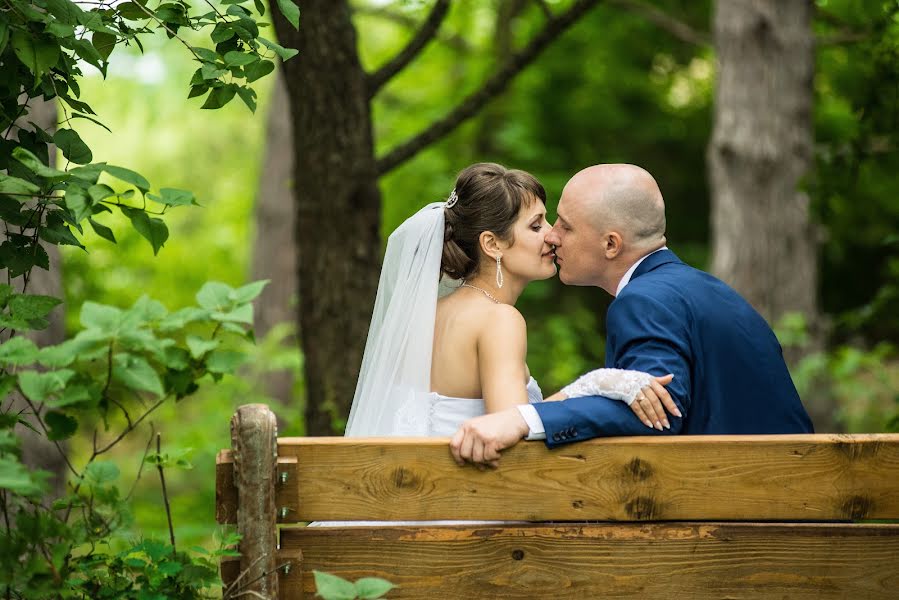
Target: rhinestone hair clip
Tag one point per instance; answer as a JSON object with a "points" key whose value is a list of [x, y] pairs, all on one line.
{"points": [[451, 201]]}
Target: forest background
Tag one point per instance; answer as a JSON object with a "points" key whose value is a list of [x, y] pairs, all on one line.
{"points": [[629, 82]]}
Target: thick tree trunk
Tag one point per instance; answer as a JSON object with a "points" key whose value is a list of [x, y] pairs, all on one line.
{"points": [[338, 205], [274, 257], [763, 242]]}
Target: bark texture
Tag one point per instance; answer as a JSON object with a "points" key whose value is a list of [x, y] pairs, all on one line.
{"points": [[763, 241], [274, 257], [338, 205]]}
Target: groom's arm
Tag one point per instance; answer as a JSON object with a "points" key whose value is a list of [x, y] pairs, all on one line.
{"points": [[645, 334]]}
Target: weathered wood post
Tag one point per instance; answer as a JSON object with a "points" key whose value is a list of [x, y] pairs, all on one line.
{"points": [[254, 444]]}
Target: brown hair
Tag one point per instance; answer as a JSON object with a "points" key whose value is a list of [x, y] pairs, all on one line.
{"points": [[489, 198]]}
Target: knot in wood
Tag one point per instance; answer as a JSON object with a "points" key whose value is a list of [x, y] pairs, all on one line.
{"points": [[517, 554], [638, 469], [405, 479], [642, 508], [857, 507]]}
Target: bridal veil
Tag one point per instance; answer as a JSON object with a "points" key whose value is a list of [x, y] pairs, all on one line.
{"points": [[395, 377]]}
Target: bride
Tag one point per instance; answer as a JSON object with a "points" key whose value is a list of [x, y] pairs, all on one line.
{"points": [[446, 342]]}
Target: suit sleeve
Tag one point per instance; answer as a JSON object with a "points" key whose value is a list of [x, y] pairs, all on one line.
{"points": [[645, 334]]}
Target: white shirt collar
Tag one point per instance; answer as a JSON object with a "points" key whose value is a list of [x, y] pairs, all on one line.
{"points": [[630, 272]]}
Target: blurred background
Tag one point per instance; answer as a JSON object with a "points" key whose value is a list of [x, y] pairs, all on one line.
{"points": [[772, 135]]}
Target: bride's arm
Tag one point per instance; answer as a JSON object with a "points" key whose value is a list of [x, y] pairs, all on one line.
{"points": [[502, 350]]}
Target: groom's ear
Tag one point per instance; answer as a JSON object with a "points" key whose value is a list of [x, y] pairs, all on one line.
{"points": [[612, 243]]}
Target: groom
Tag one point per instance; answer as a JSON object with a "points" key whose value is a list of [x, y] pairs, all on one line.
{"points": [[667, 317]]}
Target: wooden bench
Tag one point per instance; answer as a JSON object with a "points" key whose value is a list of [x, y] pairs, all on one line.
{"points": [[773, 516]]}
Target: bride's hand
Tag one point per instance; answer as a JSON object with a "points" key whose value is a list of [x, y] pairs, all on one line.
{"points": [[649, 403]]}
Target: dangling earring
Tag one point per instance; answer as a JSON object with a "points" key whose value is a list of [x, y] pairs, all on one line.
{"points": [[499, 272]]}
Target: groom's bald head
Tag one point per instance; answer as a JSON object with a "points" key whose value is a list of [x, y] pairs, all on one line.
{"points": [[624, 198]]}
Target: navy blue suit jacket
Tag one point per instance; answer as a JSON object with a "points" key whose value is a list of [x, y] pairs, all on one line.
{"points": [[729, 373]]}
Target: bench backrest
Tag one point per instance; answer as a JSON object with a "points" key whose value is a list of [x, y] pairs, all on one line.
{"points": [[727, 513]]}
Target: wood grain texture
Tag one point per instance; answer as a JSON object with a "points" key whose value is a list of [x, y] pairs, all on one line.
{"points": [[730, 478], [290, 583], [254, 434], [682, 560]]}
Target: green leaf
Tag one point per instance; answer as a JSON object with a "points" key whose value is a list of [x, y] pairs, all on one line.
{"points": [[104, 318], [260, 7], [199, 346], [369, 588], [100, 473], [248, 95], [258, 70], [247, 293], [6, 292], [173, 197], [136, 373], [86, 51], [222, 32], [225, 361], [211, 71], [78, 202], [61, 425], [205, 53], [32, 306], [236, 58], [14, 185], [38, 54], [18, 351], [220, 96], [64, 10], [241, 314], [104, 43], [34, 164], [4, 35], [182, 317], [154, 230], [40, 386], [14, 476], [102, 230], [214, 295], [290, 11], [57, 232], [333, 587], [128, 176], [72, 146], [281, 51], [73, 394]]}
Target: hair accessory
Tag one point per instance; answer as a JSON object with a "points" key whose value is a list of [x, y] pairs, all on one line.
{"points": [[451, 201]]}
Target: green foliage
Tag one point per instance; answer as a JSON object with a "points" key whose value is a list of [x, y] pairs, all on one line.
{"points": [[123, 364], [331, 587], [862, 380]]}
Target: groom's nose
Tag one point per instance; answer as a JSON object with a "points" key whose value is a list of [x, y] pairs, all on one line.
{"points": [[552, 238]]}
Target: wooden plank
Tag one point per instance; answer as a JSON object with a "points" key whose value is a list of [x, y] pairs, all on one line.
{"points": [[739, 478], [678, 560]]}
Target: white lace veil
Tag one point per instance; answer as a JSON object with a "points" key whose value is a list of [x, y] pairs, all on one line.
{"points": [[395, 378]]}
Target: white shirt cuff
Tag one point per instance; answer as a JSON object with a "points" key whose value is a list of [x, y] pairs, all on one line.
{"points": [[536, 431]]}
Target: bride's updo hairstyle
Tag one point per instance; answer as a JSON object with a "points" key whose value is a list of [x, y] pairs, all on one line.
{"points": [[488, 198]]}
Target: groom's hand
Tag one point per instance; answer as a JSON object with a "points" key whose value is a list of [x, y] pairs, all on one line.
{"points": [[480, 440]]}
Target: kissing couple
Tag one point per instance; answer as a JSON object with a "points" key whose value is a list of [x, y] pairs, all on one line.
{"points": [[446, 351]]}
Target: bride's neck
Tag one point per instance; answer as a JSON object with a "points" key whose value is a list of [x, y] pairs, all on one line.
{"points": [[508, 294]]}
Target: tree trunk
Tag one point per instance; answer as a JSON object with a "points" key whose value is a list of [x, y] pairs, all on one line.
{"points": [[763, 242], [274, 257], [37, 451], [338, 205]]}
